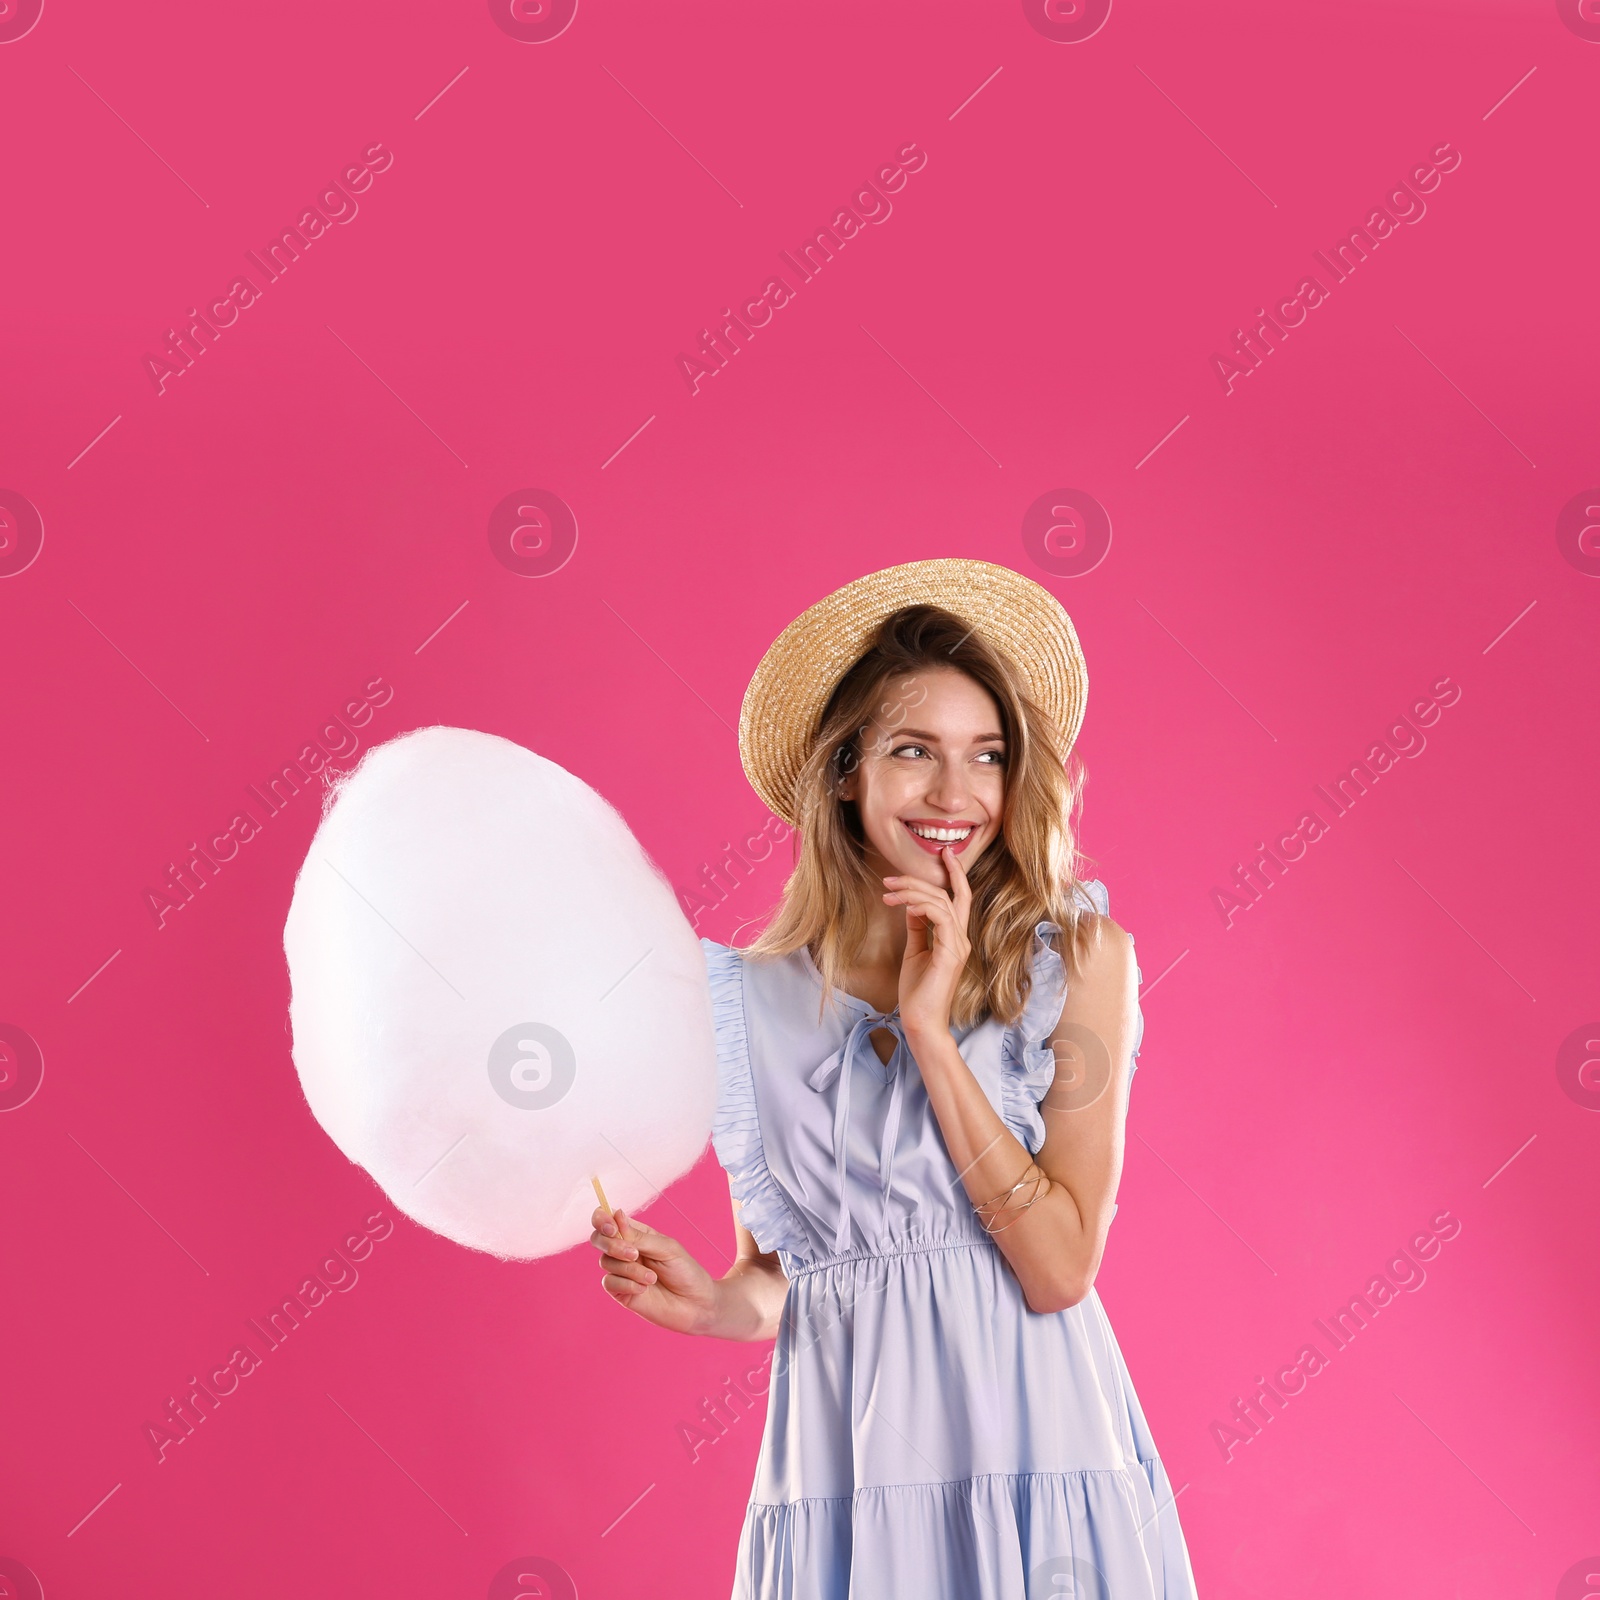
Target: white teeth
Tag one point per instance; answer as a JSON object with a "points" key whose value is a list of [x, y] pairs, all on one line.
{"points": [[941, 835]]}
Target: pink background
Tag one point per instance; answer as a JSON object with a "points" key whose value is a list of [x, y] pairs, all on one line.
{"points": [[1289, 571]]}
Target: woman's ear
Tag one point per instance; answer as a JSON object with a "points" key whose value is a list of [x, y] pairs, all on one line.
{"points": [[847, 764]]}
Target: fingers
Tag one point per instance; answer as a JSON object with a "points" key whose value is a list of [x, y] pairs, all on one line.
{"points": [[624, 1244], [927, 899], [921, 922], [610, 1246], [960, 884], [622, 1289], [624, 1276], [633, 1241], [618, 1224], [631, 1273], [933, 904], [911, 891], [611, 1237]]}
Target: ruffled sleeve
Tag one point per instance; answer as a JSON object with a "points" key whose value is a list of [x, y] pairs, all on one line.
{"points": [[735, 1126], [1028, 1066]]}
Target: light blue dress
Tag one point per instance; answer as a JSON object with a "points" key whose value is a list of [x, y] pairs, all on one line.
{"points": [[928, 1437]]}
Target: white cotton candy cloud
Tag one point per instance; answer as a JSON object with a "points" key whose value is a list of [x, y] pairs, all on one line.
{"points": [[496, 994]]}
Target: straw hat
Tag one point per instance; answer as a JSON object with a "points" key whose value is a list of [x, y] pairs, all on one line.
{"points": [[791, 686]]}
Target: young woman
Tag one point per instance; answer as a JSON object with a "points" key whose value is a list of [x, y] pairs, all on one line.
{"points": [[924, 1070]]}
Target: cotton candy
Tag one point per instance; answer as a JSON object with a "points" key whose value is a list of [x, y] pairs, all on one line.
{"points": [[495, 994]]}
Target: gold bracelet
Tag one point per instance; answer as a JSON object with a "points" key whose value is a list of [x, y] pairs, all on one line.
{"points": [[1007, 1193], [993, 1226], [1013, 1212]]}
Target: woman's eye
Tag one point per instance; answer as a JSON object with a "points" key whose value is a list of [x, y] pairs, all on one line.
{"points": [[998, 757], [909, 749]]}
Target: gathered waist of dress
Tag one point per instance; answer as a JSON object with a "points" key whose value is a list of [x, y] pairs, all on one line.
{"points": [[795, 1267]]}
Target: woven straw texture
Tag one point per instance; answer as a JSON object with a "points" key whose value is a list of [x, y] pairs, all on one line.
{"points": [[786, 697]]}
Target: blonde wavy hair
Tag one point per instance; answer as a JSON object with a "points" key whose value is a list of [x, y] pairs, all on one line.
{"points": [[1028, 875]]}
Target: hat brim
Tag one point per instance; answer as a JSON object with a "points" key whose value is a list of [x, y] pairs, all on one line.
{"points": [[791, 686]]}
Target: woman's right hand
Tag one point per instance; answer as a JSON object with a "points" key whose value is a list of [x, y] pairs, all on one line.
{"points": [[652, 1274]]}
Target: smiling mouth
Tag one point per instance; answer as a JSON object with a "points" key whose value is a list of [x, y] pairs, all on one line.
{"points": [[935, 836]]}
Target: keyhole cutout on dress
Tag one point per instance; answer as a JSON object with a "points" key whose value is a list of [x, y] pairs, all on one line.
{"points": [[884, 1043]]}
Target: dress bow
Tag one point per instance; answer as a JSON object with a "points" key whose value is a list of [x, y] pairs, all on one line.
{"points": [[840, 1065]]}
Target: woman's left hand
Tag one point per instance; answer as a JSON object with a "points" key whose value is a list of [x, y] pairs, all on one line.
{"points": [[937, 945]]}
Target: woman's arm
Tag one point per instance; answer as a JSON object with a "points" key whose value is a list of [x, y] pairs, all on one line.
{"points": [[751, 1292], [652, 1274], [1055, 1244]]}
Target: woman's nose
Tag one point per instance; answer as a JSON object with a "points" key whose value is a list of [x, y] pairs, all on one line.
{"points": [[950, 792]]}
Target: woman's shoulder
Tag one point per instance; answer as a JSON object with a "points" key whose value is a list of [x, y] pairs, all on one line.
{"points": [[1102, 954], [719, 957], [770, 984], [1092, 895], [1089, 900], [731, 958], [1100, 939], [736, 1124]]}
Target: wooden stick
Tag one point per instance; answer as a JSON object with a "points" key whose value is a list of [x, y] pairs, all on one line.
{"points": [[600, 1194]]}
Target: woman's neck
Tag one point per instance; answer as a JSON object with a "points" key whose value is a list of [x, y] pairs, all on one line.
{"points": [[874, 970]]}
